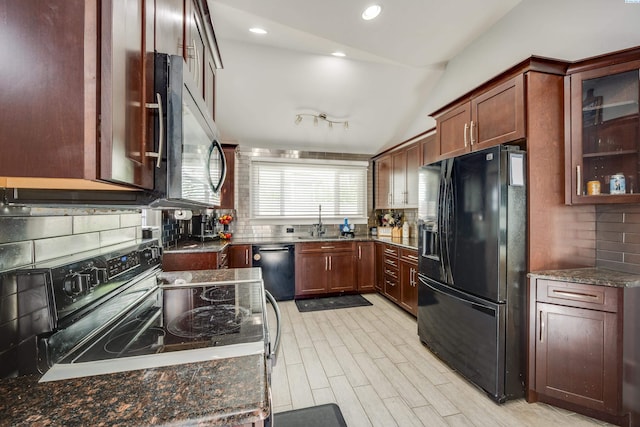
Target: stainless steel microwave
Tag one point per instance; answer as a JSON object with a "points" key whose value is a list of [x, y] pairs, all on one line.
{"points": [[191, 167]]}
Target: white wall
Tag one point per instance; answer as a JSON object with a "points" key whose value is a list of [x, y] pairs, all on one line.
{"points": [[562, 29]]}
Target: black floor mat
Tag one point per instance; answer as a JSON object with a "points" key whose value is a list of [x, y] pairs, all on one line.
{"points": [[329, 303], [328, 415]]}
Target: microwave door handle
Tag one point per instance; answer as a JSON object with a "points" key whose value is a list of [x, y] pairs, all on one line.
{"points": [[157, 155], [215, 145]]}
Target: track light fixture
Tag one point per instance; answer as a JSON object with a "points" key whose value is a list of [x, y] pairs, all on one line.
{"points": [[323, 117]]}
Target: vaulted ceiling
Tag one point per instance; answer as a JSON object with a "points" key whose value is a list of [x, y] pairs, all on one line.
{"points": [[393, 70]]}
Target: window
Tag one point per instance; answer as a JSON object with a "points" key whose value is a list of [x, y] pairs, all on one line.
{"points": [[284, 189]]}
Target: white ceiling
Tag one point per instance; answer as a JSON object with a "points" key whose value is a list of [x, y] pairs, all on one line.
{"points": [[392, 64], [415, 57]]}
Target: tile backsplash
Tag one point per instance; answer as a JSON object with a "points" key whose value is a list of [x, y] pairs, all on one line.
{"points": [[43, 234], [618, 237], [34, 235]]}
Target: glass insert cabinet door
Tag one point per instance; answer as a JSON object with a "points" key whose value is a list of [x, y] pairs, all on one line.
{"points": [[603, 135]]}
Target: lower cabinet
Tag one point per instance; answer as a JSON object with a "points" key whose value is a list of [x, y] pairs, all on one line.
{"points": [[397, 275], [325, 268], [182, 261], [365, 262], [379, 280], [240, 256], [391, 273], [582, 359], [409, 280]]}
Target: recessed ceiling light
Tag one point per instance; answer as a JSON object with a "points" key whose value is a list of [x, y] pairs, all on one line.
{"points": [[340, 54], [257, 30], [371, 12]]}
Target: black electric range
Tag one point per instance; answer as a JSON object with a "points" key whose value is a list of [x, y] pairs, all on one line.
{"points": [[119, 312]]}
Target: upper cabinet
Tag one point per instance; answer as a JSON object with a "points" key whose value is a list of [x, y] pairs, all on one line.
{"points": [[396, 173], [79, 113], [383, 183], [170, 39], [74, 116], [602, 133], [495, 116], [396, 180], [227, 193]]}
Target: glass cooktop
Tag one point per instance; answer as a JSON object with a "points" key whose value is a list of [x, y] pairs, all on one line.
{"points": [[191, 316]]}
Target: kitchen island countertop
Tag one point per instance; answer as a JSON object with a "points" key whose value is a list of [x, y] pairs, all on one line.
{"points": [[591, 276], [220, 392]]}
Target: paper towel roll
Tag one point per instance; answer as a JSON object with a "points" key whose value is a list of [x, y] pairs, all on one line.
{"points": [[182, 214]]}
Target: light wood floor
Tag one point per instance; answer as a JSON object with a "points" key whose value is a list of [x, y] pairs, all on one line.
{"points": [[369, 360]]}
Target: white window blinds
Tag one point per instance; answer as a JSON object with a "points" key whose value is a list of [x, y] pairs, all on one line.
{"points": [[294, 190]]}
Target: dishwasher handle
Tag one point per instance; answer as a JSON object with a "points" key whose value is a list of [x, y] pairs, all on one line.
{"points": [[273, 352], [278, 249]]}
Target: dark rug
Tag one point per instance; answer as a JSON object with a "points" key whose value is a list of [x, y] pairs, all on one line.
{"points": [[328, 415], [329, 303]]}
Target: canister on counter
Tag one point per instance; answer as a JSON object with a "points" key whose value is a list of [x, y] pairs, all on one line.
{"points": [[593, 187], [617, 184]]}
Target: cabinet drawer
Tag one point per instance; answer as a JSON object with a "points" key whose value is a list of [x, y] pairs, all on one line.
{"points": [[409, 255], [391, 251], [330, 246], [390, 262], [594, 297], [391, 273]]}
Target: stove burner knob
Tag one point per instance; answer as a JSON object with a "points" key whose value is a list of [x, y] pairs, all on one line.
{"points": [[76, 283], [152, 253], [96, 275]]}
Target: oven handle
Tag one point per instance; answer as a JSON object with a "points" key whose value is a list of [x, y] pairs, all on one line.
{"points": [[274, 349]]}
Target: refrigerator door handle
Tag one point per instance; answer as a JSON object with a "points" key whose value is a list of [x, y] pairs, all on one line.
{"points": [[474, 305]]}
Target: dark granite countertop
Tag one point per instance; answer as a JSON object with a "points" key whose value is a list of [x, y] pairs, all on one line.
{"points": [[591, 276], [225, 275], [219, 392], [219, 245], [186, 246]]}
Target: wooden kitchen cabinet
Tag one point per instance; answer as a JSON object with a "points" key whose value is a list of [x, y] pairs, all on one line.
{"points": [[195, 43], [495, 116], [396, 179], [325, 268], [365, 265], [429, 149], [409, 280], [404, 166], [383, 182], [74, 116], [379, 283], [181, 261], [79, 114], [391, 273], [240, 256], [171, 39], [580, 353], [603, 122], [227, 192], [397, 275]]}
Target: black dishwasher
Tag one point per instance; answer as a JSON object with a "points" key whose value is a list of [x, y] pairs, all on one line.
{"points": [[278, 269]]}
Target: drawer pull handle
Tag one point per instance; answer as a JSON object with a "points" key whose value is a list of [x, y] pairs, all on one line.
{"points": [[327, 247], [574, 294]]}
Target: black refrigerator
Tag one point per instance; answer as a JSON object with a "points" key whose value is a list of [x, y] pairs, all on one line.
{"points": [[472, 287]]}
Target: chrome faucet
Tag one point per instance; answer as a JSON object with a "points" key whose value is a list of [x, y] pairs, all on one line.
{"points": [[318, 230]]}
